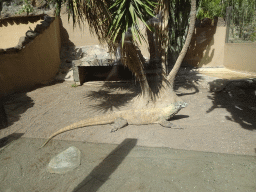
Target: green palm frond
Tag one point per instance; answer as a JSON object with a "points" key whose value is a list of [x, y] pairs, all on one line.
{"points": [[127, 14]]}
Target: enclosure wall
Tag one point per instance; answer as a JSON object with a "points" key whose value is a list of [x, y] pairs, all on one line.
{"points": [[240, 57], [36, 63], [207, 47]]}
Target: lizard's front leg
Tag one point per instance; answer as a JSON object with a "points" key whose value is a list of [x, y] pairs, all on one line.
{"points": [[119, 124], [166, 123]]}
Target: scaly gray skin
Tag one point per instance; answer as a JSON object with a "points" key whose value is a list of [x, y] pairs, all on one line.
{"points": [[132, 117]]}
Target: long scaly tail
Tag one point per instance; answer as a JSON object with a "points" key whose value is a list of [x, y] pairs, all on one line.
{"points": [[83, 123]]}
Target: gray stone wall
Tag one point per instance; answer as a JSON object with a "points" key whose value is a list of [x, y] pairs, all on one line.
{"points": [[10, 8]]}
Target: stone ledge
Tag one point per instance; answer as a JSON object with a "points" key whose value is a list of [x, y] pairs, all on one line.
{"points": [[30, 34]]}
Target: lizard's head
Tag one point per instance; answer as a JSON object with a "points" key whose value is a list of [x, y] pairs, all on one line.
{"points": [[174, 109], [180, 104]]}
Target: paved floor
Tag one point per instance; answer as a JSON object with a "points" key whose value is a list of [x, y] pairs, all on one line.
{"points": [[124, 167]]}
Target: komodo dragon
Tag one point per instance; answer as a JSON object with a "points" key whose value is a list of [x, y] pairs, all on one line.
{"points": [[132, 117]]}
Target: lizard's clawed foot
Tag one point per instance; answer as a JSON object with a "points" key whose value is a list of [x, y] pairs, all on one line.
{"points": [[167, 124], [119, 124]]}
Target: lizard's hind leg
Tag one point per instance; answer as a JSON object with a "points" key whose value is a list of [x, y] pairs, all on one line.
{"points": [[119, 124]]}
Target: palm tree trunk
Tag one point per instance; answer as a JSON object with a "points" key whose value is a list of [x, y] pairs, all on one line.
{"points": [[183, 52], [166, 94]]}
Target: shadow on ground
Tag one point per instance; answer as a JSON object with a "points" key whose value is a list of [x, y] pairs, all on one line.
{"points": [[100, 174], [10, 138], [118, 94], [113, 95], [14, 105], [188, 80], [239, 99]]}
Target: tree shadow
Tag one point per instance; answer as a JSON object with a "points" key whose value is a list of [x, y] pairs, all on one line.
{"points": [[10, 138], [65, 41], [117, 94], [113, 95], [100, 174], [199, 52], [239, 99], [15, 105], [12, 106], [189, 80]]}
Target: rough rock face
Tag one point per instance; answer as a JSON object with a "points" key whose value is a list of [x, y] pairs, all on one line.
{"points": [[65, 161], [39, 3], [9, 8]]}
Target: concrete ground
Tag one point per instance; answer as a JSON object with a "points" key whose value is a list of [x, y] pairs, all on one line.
{"points": [[214, 152], [124, 167]]}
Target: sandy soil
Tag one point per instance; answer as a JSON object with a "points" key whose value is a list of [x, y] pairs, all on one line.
{"points": [[213, 122]]}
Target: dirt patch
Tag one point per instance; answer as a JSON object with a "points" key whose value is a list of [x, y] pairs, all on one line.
{"points": [[212, 122]]}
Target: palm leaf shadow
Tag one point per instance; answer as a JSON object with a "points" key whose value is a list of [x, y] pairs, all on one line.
{"points": [[112, 95], [239, 99]]}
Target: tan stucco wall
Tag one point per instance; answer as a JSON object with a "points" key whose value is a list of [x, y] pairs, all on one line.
{"points": [[83, 37], [37, 63], [76, 36], [11, 33], [240, 57], [207, 47]]}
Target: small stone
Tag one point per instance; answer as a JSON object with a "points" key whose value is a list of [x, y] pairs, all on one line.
{"points": [[65, 161], [23, 41], [39, 4], [31, 34]]}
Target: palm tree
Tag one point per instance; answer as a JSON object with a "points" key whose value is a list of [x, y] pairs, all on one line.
{"points": [[116, 22]]}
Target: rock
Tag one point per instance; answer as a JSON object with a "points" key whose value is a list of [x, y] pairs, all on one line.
{"points": [[65, 161], [95, 55], [45, 24], [39, 3], [48, 19], [77, 54], [232, 85], [23, 41], [7, 15], [39, 28], [218, 85], [31, 34]]}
